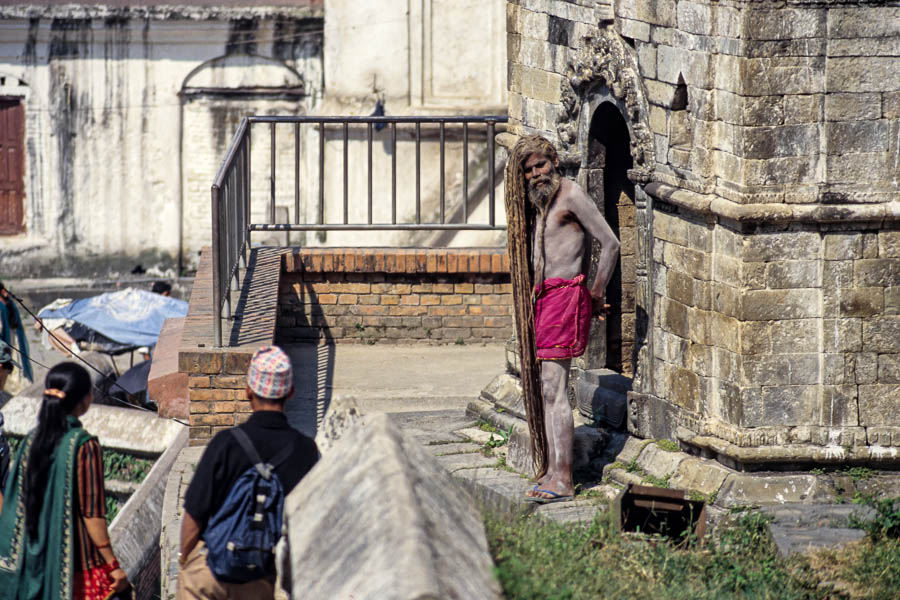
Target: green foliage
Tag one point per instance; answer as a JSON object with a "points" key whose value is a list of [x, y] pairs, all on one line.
{"points": [[817, 471], [125, 467], [112, 508], [359, 326], [539, 559], [662, 482], [668, 445], [860, 473], [460, 342], [886, 522], [501, 440]]}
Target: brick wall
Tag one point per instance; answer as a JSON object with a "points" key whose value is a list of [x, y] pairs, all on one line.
{"points": [[395, 295]]}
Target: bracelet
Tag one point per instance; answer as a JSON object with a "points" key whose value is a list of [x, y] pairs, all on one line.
{"points": [[111, 566], [105, 544]]}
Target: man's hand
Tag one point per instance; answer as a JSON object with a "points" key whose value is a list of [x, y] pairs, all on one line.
{"points": [[601, 309]]}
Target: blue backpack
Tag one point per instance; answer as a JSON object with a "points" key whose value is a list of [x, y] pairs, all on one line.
{"points": [[241, 536]]}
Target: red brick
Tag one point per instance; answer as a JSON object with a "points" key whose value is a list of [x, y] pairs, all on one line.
{"points": [[407, 311], [505, 266], [411, 262], [452, 262], [207, 395], [464, 288], [243, 407], [421, 261], [229, 381], [472, 299], [199, 362], [475, 309], [379, 260], [419, 288], [390, 299], [484, 288], [198, 407], [327, 298], [497, 263], [429, 300], [431, 262], [503, 288], [347, 299], [442, 288], [370, 299], [496, 322], [316, 262], [328, 262], [451, 299], [494, 299], [212, 419], [410, 300], [441, 266], [446, 311], [373, 309], [223, 407], [198, 382], [485, 264], [390, 262], [462, 263], [237, 363]]}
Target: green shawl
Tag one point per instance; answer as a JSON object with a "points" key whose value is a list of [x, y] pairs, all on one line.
{"points": [[42, 568]]}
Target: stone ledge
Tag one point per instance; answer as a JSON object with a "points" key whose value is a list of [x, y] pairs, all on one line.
{"points": [[397, 260], [377, 517], [716, 206]]}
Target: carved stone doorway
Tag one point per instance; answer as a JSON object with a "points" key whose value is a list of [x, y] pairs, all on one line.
{"points": [[608, 161]]}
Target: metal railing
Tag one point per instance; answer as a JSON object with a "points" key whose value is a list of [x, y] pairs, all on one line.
{"points": [[232, 189]]}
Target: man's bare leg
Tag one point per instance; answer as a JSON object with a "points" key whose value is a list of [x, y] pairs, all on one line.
{"points": [[560, 429]]}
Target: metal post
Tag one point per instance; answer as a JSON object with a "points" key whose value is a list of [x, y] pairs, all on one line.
{"points": [[465, 172], [216, 257], [369, 139], [393, 173], [491, 185], [296, 173], [272, 177], [418, 172], [346, 186], [321, 172], [442, 172]]}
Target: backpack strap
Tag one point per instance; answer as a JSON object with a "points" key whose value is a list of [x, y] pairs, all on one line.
{"points": [[244, 440], [281, 456]]}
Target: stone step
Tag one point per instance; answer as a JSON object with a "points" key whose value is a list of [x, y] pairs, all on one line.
{"points": [[600, 403], [606, 378]]}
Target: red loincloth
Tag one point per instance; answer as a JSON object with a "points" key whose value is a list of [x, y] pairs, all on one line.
{"points": [[562, 318]]}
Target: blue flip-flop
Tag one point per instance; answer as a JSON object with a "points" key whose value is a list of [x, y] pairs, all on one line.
{"points": [[555, 497]]}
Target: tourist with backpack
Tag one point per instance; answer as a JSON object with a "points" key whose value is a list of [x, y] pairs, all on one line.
{"points": [[234, 504]]}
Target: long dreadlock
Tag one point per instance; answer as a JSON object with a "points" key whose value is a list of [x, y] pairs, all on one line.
{"points": [[520, 216]]}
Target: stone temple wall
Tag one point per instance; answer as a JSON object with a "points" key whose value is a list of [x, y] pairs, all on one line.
{"points": [[764, 140]]}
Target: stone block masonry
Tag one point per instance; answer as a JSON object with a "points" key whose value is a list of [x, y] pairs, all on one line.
{"points": [[369, 295]]}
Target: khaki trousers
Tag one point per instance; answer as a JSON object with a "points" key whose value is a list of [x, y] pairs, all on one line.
{"points": [[196, 582]]}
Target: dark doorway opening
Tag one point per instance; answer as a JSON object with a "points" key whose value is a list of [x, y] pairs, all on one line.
{"points": [[12, 166], [609, 152]]}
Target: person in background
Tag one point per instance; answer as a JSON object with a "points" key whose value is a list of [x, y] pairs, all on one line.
{"points": [[54, 542], [6, 366], [162, 288], [12, 332]]}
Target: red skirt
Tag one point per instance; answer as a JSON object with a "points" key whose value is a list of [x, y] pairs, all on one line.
{"points": [[93, 584], [562, 318]]}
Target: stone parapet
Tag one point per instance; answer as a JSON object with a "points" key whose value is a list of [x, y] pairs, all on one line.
{"points": [[378, 517], [397, 295]]}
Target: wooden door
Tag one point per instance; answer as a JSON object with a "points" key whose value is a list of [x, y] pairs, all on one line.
{"points": [[12, 166]]}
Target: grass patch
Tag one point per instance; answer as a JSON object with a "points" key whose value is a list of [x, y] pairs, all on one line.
{"points": [[539, 559], [668, 445], [125, 467]]}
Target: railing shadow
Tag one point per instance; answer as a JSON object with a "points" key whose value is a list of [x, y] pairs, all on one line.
{"points": [[313, 371]]}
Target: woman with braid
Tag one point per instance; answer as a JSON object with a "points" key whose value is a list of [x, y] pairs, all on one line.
{"points": [[53, 537], [550, 218]]}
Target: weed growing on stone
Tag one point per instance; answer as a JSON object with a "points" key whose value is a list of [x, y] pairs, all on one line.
{"points": [[460, 341], [662, 482], [125, 467], [817, 471], [885, 523], [668, 445], [859, 473], [541, 559]]}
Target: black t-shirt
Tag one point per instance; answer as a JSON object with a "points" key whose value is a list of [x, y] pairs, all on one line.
{"points": [[224, 461]]}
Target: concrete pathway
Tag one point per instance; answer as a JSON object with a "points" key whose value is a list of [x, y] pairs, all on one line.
{"points": [[426, 389]]}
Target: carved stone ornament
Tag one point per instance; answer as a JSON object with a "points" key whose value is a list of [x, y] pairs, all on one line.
{"points": [[606, 59]]}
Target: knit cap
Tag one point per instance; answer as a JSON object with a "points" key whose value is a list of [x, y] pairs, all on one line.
{"points": [[270, 374]]}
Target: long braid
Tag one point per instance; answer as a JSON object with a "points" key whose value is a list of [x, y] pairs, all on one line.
{"points": [[521, 220]]}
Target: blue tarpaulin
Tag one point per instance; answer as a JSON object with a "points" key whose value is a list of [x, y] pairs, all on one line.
{"points": [[128, 316]]}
